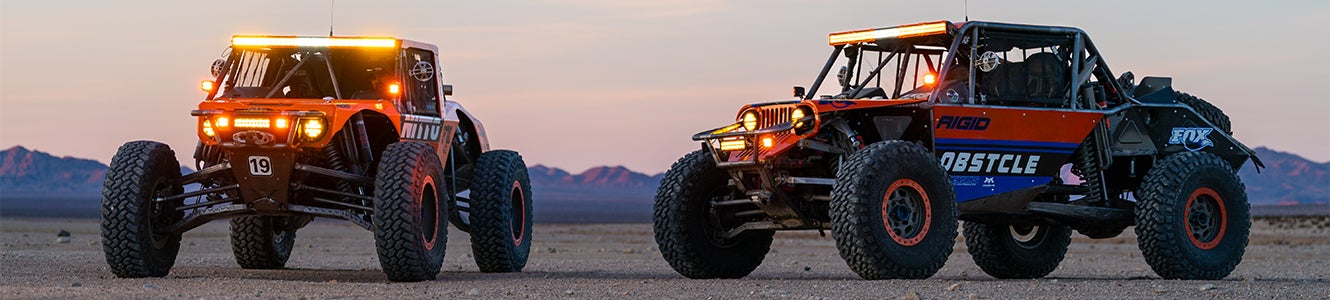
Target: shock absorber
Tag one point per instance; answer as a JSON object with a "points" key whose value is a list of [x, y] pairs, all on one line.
{"points": [[1089, 164], [336, 161], [362, 138]]}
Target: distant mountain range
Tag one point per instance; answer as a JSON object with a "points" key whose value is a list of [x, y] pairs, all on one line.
{"points": [[25, 172], [616, 177], [1287, 179], [36, 183], [31, 179]]}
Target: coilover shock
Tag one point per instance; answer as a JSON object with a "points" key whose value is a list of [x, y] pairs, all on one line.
{"points": [[1089, 163]]}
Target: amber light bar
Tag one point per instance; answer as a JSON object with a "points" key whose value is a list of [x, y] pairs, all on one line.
{"points": [[298, 41], [252, 123], [899, 32], [733, 143]]}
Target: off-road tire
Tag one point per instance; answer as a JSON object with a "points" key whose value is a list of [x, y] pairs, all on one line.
{"points": [[262, 242], [140, 172], [999, 250], [410, 212], [1178, 188], [1208, 111], [684, 230], [501, 212], [910, 175]]}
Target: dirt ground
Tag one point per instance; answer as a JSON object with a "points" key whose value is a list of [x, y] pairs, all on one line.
{"points": [[1289, 258]]}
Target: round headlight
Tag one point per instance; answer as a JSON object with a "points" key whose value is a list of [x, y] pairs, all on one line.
{"points": [[312, 129], [803, 120], [207, 128], [750, 121]]}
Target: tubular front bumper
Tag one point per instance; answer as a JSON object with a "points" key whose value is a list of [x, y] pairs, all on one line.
{"points": [[731, 147]]}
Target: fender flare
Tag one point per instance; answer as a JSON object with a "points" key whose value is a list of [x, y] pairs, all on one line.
{"points": [[454, 112]]}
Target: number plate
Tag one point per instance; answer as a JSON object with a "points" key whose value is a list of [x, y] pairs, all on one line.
{"points": [[260, 166]]}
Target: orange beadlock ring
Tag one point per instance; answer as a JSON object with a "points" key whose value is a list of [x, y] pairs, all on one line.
{"points": [[429, 241], [928, 212], [519, 228], [1223, 218]]}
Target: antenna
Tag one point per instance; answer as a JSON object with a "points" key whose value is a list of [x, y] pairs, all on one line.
{"points": [[331, 13], [967, 9]]}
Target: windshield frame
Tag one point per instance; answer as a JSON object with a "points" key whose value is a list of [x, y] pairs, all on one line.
{"points": [[909, 56], [242, 65]]}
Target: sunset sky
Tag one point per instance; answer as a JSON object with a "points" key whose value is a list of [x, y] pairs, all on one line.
{"points": [[581, 83]]}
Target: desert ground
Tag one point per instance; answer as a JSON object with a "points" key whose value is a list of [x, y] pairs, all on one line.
{"points": [[1288, 258]]}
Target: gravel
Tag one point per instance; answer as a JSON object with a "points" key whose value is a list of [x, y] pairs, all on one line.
{"points": [[337, 260]]}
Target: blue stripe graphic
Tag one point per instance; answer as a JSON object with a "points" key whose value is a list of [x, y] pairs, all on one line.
{"points": [[991, 149], [941, 141]]}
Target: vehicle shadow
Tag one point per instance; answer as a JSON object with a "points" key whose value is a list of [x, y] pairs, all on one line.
{"points": [[377, 276], [300, 275]]}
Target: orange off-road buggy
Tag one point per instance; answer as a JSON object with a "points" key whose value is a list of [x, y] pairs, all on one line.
{"points": [[351, 128]]}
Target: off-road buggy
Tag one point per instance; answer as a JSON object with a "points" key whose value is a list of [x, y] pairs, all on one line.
{"points": [[351, 128], [1021, 131]]}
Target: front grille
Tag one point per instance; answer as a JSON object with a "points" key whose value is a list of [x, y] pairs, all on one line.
{"points": [[768, 117]]}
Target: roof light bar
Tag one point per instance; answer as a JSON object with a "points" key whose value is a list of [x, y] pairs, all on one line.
{"points": [[899, 32], [295, 41]]}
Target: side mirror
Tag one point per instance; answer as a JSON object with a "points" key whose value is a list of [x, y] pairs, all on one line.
{"points": [[799, 92], [447, 90]]}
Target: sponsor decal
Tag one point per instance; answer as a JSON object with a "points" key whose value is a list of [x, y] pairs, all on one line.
{"points": [[253, 137], [975, 187], [1192, 138], [835, 103], [990, 163], [963, 122], [422, 71]]}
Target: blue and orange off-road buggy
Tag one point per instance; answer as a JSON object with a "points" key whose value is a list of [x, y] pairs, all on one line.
{"points": [[1021, 131]]}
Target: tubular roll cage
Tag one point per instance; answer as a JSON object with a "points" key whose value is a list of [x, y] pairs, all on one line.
{"points": [[1081, 44]]}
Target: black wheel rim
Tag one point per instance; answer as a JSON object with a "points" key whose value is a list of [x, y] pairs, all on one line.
{"points": [[279, 232], [714, 226], [1028, 236], [905, 212], [1205, 218], [161, 214]]}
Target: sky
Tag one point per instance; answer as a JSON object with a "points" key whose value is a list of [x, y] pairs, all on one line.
{"points": [[582, 83]]}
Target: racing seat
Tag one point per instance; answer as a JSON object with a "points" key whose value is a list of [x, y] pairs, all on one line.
{"points": [[1040, 80]]}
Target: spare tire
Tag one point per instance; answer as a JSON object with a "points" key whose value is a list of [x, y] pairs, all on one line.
{"points": [[1207, 111]]}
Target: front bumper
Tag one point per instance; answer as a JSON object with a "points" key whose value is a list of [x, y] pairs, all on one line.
{"points": [[731, 147], [261, 128]]}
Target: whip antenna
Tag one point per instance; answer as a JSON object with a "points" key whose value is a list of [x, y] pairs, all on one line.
{"points": [[331, 13], [967, 12]]}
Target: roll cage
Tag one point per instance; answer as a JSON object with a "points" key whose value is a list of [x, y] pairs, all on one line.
{"points": [[984, 63], [404, 72]]}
